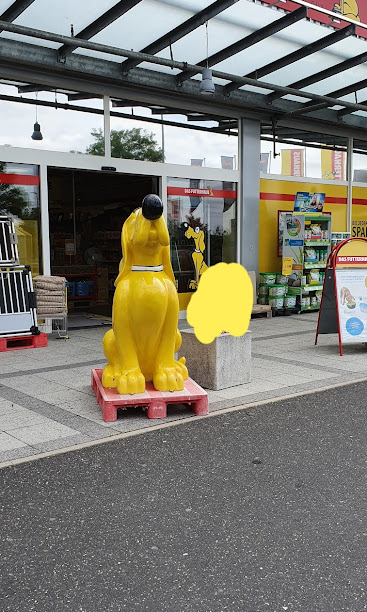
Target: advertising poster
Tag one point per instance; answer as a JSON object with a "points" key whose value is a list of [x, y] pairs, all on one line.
{"points": [[359, 228], [293, 244], [333, 165], [309, 203], [351, 289], [293, 163]]}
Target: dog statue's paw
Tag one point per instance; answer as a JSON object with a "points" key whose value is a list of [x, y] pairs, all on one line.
{"points": [[169, 378], [110, 377], [131, 382]]}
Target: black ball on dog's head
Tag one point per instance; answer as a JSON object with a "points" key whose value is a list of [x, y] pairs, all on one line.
{"points": [[152, 207]]}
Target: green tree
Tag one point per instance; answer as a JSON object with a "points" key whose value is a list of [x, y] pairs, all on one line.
{"points": [[127, 144], [14, 200]]}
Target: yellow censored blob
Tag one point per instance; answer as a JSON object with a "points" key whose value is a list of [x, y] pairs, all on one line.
{"points": [[222, 302]]}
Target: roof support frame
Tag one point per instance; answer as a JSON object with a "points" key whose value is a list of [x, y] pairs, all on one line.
{"points": [[180, 31], [99, 24], [347, 111], [297, 55], [16, 9], [324, 74], [344, 91], [248, 41], [29, 63]]}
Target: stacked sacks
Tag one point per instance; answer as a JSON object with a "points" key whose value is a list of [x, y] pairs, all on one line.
{"points": [[50, 296]]}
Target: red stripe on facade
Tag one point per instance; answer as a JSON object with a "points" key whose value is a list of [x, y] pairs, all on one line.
{"points": [[360, 202], [19, 179], [288, 197], [284, 197], [335, 200]]}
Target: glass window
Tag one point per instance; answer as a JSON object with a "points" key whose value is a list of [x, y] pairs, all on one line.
{"points": [[19, 199], [202, 221]]}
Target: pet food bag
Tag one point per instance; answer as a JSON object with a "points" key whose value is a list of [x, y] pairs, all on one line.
{"points": [[277, 291], [267, 278]]}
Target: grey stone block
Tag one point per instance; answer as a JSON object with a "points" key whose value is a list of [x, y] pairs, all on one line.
{"points": [[226, 362]]}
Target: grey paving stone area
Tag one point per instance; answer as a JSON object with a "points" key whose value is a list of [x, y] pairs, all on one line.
{"points": [[46, 401]]}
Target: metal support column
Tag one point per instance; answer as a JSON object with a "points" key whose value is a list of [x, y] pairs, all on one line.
{"points": [[350, 184], [45, 226], [249, 193], [107, 126]]}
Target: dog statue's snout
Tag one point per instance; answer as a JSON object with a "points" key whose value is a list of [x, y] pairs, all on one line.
{"points": [[152, 207]]}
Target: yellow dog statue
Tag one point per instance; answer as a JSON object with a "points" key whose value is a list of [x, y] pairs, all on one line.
{"points": [[144, 337]]}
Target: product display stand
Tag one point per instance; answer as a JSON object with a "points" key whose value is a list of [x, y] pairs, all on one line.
{"points": [[307, 241]]}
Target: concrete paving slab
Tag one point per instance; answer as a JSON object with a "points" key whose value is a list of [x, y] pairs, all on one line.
{"points": [[8, 442], [19, 417], [54, 383], [43, 432]]}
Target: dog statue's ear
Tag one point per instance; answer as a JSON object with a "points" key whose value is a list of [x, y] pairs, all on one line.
{"points": [[126, 261], [166, 261], [163, 237]]}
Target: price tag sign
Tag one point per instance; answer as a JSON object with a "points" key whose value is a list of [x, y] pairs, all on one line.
{"points": [[69, 247], [287, 266]]}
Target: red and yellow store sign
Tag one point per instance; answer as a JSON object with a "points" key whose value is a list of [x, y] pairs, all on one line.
{"points": [[352, 9]]}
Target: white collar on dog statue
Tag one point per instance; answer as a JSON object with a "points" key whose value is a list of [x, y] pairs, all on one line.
{"points": [[147, 268]]}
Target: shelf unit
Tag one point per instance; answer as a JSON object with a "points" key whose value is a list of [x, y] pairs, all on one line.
{"points": [[109, 243], [83, 275], [296, 239]]}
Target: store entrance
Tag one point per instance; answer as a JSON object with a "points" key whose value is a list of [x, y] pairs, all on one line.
{"points": [[87, 210]]}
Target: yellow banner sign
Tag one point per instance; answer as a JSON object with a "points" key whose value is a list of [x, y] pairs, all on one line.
{"points": [[287, 266]]}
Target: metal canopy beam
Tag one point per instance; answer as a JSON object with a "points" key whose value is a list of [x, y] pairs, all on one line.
{"points": [[300, 143], [182, 30], [347, 111], [204, 117], [123, 103], [83, 96], [309, 107], [15, 10], [248, 41], [33, 88], [301, 53], [324, 74], [99, 24]]}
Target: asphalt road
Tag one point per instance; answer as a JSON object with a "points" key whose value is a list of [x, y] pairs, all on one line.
{"points": [[259, 510]]}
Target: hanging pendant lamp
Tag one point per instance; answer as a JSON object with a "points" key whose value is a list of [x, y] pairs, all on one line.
{"points": [[37, 135], [207, 86]]}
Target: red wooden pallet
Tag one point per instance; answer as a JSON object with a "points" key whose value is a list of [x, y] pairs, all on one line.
{"points": [[14, 343], [155, 401]]}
